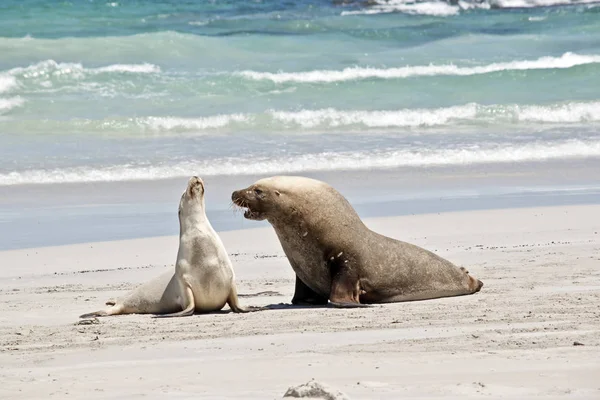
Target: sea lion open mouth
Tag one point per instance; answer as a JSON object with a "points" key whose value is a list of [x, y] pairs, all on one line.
{"points": [[248, 212]]}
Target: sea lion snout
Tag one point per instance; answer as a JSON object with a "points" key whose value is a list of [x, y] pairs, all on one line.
{"points": [[240, 198], [251, 200], [195, 186], [235, 196], [475, 284]]}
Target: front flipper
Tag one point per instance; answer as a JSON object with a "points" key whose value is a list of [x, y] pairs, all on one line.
{"points": [[349, 305], [188, 311], [303, 295], [345, 290], [233, 302]]}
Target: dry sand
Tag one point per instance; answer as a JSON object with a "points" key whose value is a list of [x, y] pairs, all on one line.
{"points": [[514, 339]]}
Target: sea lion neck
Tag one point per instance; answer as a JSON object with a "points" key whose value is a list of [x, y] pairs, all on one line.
{"points": [[192, 219]]}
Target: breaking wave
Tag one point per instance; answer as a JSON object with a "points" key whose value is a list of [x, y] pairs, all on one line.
{"points": [[444, 9], [10, 103], [328, 118], [46, 72], [567, 60], [174, 123], [317, 121], [328, 161], [7, 83], [51, 67]]}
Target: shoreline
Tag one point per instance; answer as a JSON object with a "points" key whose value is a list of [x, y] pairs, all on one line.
{"points": [[80, 213], [514, 339]]}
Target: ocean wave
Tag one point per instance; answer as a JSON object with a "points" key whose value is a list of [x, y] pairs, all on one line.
{"points": [[567, 60], [444, 9], [327, 161], [376, 119], [327, 120], [45, 70], [203, 123], [331, 118], [144, 68], [536, 3], [50, 76], [10, 103], [571, 112], [51, 67], [432, 8], [561, 113], [7, 83]]}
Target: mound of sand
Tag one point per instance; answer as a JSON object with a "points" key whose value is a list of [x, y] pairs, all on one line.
{"points": [[315, 390]]}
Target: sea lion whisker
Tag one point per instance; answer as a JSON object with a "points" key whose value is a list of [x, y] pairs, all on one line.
{"points": [[234, 207]]}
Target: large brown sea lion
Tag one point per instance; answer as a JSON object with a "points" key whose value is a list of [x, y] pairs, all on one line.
{"points": [[336, 257]]}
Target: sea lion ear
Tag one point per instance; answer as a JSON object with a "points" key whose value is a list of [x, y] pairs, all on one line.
{"points": [[277, 193]]}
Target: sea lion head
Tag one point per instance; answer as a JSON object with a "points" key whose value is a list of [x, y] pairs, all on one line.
{"points": [[192, 200], [285, 199], [259, 200], [277, 197]]}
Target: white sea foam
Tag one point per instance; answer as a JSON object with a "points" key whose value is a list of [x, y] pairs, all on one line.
{"points": [[345, 121], [132, 68], [329, 161], [402, 118], [562, 113], [434, 8], [7, 83], [175, 124], [572, 112], [567, 60], [10, 103], [53, 68], [443, 9], [535, 3]]}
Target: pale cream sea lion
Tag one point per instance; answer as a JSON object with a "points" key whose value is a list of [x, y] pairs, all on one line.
{"points": [[336, 257], [203, 280]]}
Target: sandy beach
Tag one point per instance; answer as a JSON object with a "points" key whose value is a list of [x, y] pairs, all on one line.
{"points": [[514, 339]]}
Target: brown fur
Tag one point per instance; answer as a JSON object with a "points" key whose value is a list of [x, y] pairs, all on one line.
{"points": [[336, 257]]}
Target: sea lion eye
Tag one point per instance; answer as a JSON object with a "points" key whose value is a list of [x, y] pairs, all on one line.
{"points": [[258, 191]]}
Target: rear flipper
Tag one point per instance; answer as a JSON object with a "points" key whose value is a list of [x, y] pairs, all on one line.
{"points": [[188, 311], [114, 310]]}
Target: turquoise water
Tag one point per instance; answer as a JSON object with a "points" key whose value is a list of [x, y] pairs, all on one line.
{"points": [[128, 90]]}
